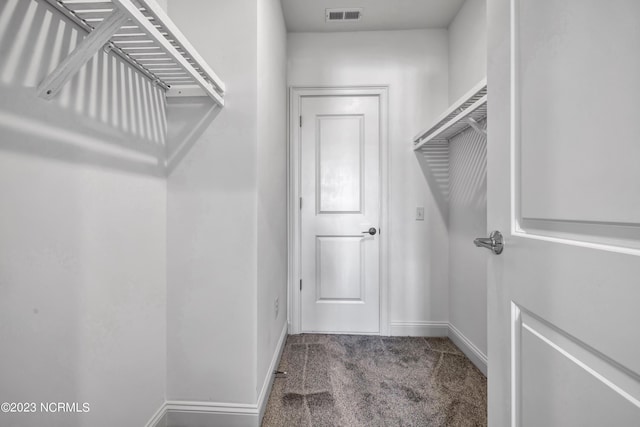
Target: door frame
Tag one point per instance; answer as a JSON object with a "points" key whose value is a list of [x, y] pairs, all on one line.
{"points": [[296, 94]]}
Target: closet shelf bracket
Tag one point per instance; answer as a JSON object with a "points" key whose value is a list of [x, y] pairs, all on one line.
{"points": [[476, 126], [140, 32], [97, 39]]}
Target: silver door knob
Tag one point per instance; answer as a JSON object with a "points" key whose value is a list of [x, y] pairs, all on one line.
{"points": [[494, 242]]}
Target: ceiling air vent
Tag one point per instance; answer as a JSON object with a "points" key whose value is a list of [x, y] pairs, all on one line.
{"points": [[343, 15]]}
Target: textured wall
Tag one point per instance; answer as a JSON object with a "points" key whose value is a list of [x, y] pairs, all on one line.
{"points": [[82, 253]]}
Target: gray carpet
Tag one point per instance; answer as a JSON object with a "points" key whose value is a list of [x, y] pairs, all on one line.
{"points": [[347, 380]]}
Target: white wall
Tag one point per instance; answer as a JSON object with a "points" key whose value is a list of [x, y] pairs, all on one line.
{"points": [[468, 188], [227, 226], [272, 182], [212, 228], [414, 66], [82, 252], [468, 220], [467, 48], [86, 221]]}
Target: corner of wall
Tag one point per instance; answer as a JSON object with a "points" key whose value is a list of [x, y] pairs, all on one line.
{"points": [[271, 196], [467, 48], [477, 357], [179, 413], [467, 180]]}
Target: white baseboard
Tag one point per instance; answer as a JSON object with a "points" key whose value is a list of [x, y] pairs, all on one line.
{"points": [[263, 397], [175, 413], [420, 329], [442, 329], [474, 354], [211, 414], [159, 419]]}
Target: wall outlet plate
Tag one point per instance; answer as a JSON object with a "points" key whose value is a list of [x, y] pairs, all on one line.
{"points": [[419, 214]]}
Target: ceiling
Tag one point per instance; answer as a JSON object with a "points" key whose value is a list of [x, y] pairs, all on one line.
{"points": [[377, 15]]}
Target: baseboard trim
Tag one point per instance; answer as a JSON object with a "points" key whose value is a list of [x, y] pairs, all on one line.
{"points": [[159, 419], [474, 354], [181, 413], [442, 329], [210, 414], [420, 329], [263, 397]]}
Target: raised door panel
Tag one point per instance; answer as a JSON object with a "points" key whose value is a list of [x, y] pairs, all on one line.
{"points": [[578, 85], [340, 160], [561, 381], [339, 269]]}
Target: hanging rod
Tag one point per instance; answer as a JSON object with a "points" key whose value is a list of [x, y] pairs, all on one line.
{"points": [[140, 32], [466, 111]]}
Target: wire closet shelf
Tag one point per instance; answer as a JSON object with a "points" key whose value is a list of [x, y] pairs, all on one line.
{"points": [[140, 32], [465, 112]]}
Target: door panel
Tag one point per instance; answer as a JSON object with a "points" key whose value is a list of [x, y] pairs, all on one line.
{"points": [[340, 190], [564, 382], [578, 89], [339, 268], [339, 164], [563, 187]]}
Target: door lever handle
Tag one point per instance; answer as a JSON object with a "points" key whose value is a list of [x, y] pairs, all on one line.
{"points": [[495, 242], [371, 231]]}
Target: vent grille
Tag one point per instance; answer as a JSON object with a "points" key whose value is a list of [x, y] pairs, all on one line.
{"points": [[352, 15], [343, 15]]}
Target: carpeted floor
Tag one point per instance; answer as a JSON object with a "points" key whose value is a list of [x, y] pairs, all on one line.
{"points": [[348, 380]]}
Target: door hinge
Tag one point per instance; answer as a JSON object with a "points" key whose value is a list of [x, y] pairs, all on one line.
{"points": [[300, 121], [300, 284], [300, 203]]}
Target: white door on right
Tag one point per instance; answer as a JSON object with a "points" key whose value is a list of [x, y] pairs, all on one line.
{"points": [[564, 189]]}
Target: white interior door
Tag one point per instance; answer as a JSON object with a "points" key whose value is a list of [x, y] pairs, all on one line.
{"points": [[340, 190], [564, 189]]}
